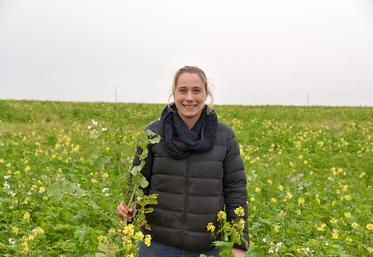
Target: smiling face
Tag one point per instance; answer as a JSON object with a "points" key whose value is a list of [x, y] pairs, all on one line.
{"points": [[190, 96]]}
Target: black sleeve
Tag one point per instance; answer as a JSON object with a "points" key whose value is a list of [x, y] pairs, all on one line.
{"points": [[234, 182]]}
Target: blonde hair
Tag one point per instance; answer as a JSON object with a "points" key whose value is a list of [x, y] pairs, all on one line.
{"points": [[202, 75]]}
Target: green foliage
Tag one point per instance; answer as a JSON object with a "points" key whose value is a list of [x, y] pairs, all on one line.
{"points": [[309, 172]]}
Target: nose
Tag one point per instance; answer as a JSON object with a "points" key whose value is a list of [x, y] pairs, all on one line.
{"points": [[189, 96]]}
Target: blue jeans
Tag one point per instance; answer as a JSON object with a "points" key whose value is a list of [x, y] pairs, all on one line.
{"points": [[162, 250]]}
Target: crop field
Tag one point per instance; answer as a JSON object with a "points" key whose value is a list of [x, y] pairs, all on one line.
{"points": [[62, 167]]}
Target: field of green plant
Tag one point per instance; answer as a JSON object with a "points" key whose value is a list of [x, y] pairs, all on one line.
{"points": [[62, 166]]}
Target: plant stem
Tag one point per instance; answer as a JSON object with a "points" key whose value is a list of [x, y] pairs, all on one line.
{"points": [[133, 194], [101, 212]]}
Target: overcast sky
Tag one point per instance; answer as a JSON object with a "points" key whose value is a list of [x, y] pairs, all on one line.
{"points": [[253, 51]]}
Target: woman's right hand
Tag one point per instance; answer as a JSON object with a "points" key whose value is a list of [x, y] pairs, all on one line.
{"points": [[126, 212]]}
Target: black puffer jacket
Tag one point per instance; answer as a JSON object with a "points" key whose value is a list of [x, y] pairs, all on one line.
{"points": [[191, 191]]}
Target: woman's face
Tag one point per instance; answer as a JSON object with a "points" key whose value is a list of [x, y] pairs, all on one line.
{"points": [[190, 96]]}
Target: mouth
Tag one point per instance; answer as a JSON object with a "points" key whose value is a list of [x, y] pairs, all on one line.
{"points": [[189, 106]]}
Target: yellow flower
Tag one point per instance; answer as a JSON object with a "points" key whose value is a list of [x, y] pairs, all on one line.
{"points": [[349, 240], [111, 231], [25, 247], [273, 200], [289, 196], [75, 149], [317, 200], [258, 190], [26, 217], [15, 230], [345, 188], [147, 240], [370, 249], [38, 231], [301, 201], [239, 211], [41, 189], [222, 216], [333, 221], [241, 224], [127, 244], [347, 215], [355, 225], [281, 188], [26, 200], [348, 198], [321, 227], [276, 228], [30, 238], [102, 239], [45, 198], [282, 213], [128, 230], [334, 171], [369, 226], [252, 199], [138, 236], [210, 227], [269, 181], [1, 161], [335, 234]]}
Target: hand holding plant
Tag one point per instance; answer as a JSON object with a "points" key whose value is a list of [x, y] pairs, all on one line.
{"points": [[135, 202]]}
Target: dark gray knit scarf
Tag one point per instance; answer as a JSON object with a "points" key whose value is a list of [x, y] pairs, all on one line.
{"points": [[180, 141]]}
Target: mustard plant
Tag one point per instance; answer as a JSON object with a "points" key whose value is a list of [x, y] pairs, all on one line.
{"points": [[227, 233]]}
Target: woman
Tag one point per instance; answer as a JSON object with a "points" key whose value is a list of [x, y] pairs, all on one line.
{"points": [[196, 170]]}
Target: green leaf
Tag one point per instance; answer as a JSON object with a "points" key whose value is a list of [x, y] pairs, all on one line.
{"points": [[106, 250], [81, 234], [67, 187], [222, 244], [144, 153], [153, 138], [143, 182], [55, 191], [93, 205], [135, 170]]}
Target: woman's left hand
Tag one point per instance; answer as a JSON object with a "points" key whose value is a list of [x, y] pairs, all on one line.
{"points": [[238, 252]]}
